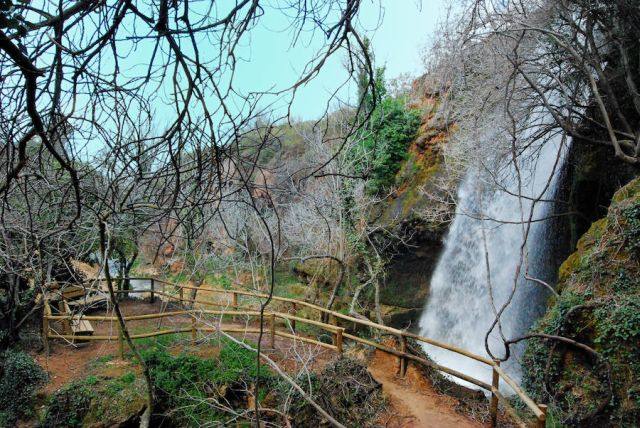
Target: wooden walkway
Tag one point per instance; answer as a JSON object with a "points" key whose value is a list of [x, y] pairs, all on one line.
{"points": [[242, 304]]}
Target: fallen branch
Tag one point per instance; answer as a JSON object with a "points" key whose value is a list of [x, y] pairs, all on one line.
{"points": [[288, 379]]}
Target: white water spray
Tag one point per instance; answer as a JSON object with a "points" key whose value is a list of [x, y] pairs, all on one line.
{"points": [[459, 309]]}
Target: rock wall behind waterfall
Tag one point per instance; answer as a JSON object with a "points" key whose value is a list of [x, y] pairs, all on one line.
{"points": [[423, 219]]}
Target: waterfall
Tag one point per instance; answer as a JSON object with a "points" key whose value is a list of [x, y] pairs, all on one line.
{"points": [[458, 310]]}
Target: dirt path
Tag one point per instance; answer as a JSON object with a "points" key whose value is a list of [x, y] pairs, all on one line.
{"points": [[68, 362], [413, 399]]}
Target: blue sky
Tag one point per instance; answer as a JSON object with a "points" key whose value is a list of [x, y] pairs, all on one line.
{"points": [[399, 30]]}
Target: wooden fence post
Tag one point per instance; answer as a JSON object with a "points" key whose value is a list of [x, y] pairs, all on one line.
{"points": [[493, 407], [272, 327], [234, 304], [45, 327], [153, 287], [120, 342], [338, 340], [403, 359], [333, 320], [66, 323], [542, 420], [194, 331], [293, 322]]}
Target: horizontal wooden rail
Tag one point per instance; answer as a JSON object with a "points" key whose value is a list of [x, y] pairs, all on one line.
{"points": [[448, 347], [416, 358], [246, 330], [73, 337], [539, 411]]}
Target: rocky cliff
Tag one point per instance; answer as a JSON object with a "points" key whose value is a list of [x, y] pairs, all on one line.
{"points": [[423, 219]]}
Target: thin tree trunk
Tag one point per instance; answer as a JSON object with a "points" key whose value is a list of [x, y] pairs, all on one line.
{"points": [[145, 419]]}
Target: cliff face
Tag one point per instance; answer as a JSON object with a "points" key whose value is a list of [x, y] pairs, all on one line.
{"points": [[599, 306], [425, 221]]}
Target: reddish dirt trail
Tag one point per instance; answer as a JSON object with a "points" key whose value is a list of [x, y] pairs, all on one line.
{"points": [[68, 362], [415, 402]]}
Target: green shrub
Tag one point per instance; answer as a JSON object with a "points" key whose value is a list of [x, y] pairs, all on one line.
{"points": [[21, 377], [386, 136], [392, 126], [184, 383], [69, 406]]}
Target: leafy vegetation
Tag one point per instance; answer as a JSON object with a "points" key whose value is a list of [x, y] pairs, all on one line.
{"points": [[21, 377], [190, 390], [190, 386], [384, 142]]}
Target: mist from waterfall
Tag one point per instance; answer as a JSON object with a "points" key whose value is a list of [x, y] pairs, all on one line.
{"points": [[459, 310]]}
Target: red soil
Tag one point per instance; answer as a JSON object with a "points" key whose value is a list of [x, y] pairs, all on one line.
{"points": [[414, 402]]}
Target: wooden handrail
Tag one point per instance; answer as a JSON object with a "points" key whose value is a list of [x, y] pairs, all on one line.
{"points": [[538, 410]]}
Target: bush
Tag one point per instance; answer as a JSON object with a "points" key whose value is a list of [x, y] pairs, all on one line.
{"points": [[345, 389], [391, 127], [69, 406], [187, 384], [21, 377]]}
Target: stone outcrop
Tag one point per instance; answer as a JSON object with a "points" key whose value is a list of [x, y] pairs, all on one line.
{"points": [[416, 214]]}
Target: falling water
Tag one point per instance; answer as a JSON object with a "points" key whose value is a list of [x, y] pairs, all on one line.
{"points": [[459, 309]]}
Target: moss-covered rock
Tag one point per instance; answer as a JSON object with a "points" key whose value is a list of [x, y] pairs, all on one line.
{"points": [[598, 306], [97, 401], [398, 316]]}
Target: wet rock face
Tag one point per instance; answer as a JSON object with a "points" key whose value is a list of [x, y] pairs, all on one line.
{"points": [[420, 193], [592, 175], [407, 282]]}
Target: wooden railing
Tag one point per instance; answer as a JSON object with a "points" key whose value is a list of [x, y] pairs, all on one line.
{"points": [[291, 319]]}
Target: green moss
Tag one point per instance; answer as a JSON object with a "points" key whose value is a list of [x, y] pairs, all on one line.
{"points": [[569, 266], [629, 191], [599, 306], [593, 235]]}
